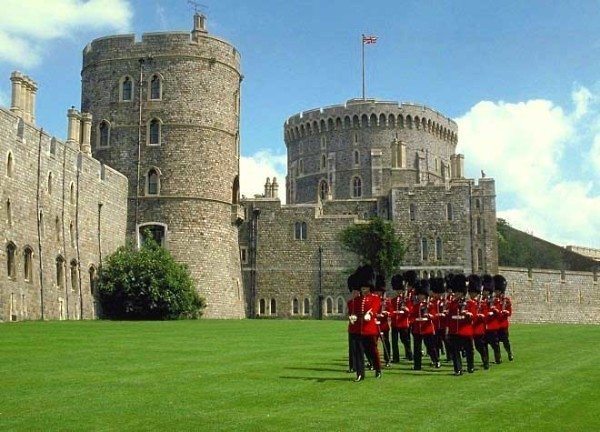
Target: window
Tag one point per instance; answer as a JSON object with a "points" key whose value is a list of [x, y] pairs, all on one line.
{"points": [[74, 276], [72, 234], [323, 162], [28, 264], [340, 305], [424, 249], [329, 306], [126, 89], [323, 143], [153, 182], [295, 307], [449, 215], [9, 165], [356, 157], [244, 254], [300, 231], [438, 249], [60, 272], [104, 134], [57, 228], [50, 183], [478, 226], [479, 259], [477, 204], [11, 250], [301, 166], [155, 87], [93, 280], [262, 307], [356, 187], [8, 213], [273, 307], [154, 132], [152, 231], [412, 210], [323, 190], [306, 309]]}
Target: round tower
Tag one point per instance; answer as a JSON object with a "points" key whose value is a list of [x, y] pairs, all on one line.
{"points": [[166, 114], [365, 147]]}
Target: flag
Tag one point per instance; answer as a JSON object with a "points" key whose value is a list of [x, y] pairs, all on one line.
{"points": [[369, 39]]}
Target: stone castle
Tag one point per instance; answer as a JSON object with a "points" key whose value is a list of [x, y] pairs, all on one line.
{"points": [[155, 151]]}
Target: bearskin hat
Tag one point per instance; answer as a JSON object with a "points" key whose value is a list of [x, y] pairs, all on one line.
{"points": [[410, 277], [448, 281], [437, 285], [422, 287], [397, 282], [380, 282], [488, 282], [352, 283], [474, 283], [500, 283], [459, 283], [365, 276]]}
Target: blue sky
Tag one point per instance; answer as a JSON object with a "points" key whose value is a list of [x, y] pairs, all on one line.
{"points": [[521, 78]]}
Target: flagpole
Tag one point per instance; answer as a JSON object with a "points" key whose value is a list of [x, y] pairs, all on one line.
{"points": [[362, 42]]}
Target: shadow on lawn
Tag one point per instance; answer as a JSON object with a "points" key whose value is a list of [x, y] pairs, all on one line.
{"points": [[319, 380]]}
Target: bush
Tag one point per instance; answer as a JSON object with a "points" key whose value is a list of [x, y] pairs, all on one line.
{"points": [[147, 284]]}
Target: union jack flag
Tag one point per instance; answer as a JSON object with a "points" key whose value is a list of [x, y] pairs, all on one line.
{"points": [[369, 39]]}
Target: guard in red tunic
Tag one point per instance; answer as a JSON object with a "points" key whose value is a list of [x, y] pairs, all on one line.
{"points": [[383, 318], [460, 329], [423, 328], [362, 311], [439, 317], [353, 330], [492, 321], [411, 279], [399, 309], [505, 306], [475, 293]]}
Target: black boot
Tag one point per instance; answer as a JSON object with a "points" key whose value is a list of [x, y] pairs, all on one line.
{"points": [[359, 378]]}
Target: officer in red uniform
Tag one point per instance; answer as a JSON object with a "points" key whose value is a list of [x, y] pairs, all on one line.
{"points": [[423, 328], [446, 300], [411, 279], [439, 317], [362, 311], [460, 329], [492, 319], [505, 307], [399, 309], [475, 293], [353, 330], [383, 318]]}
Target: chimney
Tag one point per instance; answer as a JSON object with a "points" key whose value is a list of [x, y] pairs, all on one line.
{"points": [[274, 188], [199, 26], [16, 101], [31, 91], [268, 188], [86, 131], [73, 125]]}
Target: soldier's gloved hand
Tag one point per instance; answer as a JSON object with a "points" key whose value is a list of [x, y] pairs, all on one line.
{"points": [[368, 316], [352, 319]]}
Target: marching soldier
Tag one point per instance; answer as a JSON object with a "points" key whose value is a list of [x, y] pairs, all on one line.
{"points": [[505, 306], [399, 309], [460, 330], [475, 293], [353, 329], [439, 317], [492, 321], [423, 328], [383, 318]]}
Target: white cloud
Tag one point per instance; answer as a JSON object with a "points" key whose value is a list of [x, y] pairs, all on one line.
{"points": [[4, 102], [522, 146], [27, 25], [255, 169]]}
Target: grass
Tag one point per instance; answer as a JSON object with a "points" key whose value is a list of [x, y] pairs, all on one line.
{"points": [[261, 375]]}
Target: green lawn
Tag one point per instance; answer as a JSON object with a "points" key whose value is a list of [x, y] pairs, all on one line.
{"points": [[280, 375]]}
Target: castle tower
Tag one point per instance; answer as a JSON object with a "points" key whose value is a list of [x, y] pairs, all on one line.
{"points": [[165, 113]]}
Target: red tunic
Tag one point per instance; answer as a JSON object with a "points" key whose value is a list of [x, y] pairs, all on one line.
{"points": [[438, 319], [460, 317], [399, 308], [383, 316], [422, 318], [493, 314], [505, 311], [360, 306], [480, 318]]}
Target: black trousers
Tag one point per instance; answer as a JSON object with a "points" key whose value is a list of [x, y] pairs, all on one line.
{"points": [[430, 341], [350, 353], [503, 337], [385, 339], [456, 344], [482, 349], [360, 346], [404, 336], [491, 339]]}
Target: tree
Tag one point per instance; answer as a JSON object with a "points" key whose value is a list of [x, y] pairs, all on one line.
{"points": [[376, 244], [147, 284]]}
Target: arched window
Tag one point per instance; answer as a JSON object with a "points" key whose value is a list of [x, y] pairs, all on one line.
{"points": [[412, 210], [60, 272], [323, 190], [306, 309], [155, 87], [323, 161], [438, 249], [9, 165], [154, 132], [262, 306], [479, 259], [50, 183], [356, 187], [57, 228], [74, 276], [93, 281], [329, 306], [8, 213], [449, 214], [126, 89], [104, 134], [28, 264], [478, 225], [235, 191], [152, 231], [11, 250], [295, 307], [424, 249], [300, 229], [153, 182], [356, 157], [273, 307], [340, 305]]}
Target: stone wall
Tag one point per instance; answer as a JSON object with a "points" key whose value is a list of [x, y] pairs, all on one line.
{"points": [[65, 208], [552, 296]]}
